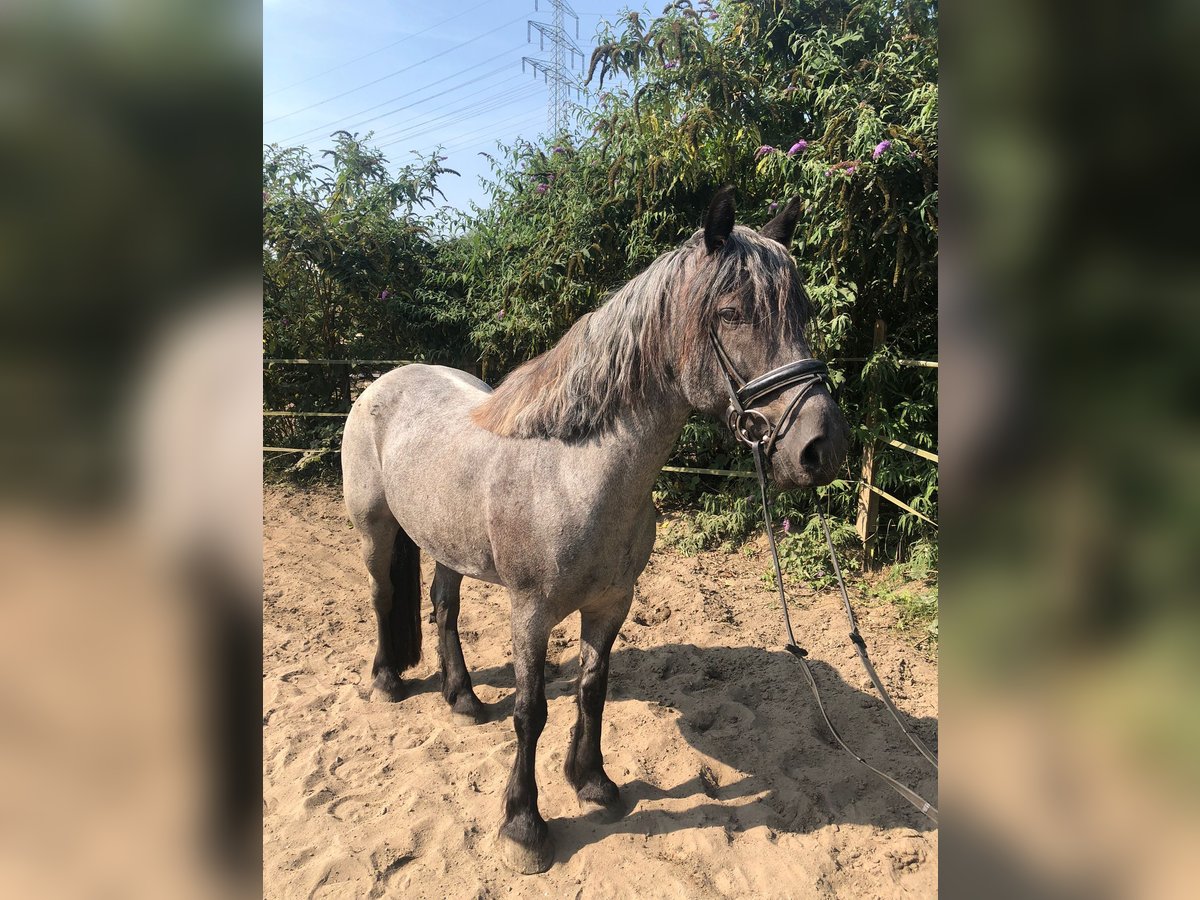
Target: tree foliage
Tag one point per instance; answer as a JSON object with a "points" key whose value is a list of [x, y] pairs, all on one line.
{"points": [[347, 260], [830, 101]]}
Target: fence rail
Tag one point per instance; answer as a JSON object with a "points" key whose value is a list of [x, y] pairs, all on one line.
{"points": [[867, 488], [922, 363], [342, 362], [304, 415], [900, 503], [916, 451]]}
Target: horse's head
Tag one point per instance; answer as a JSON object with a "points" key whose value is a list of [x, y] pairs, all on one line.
{"points": [[747, 313]]}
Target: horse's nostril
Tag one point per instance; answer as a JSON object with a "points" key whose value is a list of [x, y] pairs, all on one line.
{"points": [[816, 453]]}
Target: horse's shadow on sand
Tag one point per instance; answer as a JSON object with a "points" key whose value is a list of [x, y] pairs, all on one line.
{"points": [[766, 758]]}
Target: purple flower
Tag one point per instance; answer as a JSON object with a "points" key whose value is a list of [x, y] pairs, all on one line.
{"points": [[671, 64], [912, 154], [384, 294], [559, 150], [787, 526], [850, 170], [551, 176], [712, 16], [799, 147], [763, 151], [881, 148], [772, 206], [542, 188], [500, 315], [828, 173]]}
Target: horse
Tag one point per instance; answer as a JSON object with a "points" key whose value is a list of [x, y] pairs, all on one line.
{"points": [[543, 485]]}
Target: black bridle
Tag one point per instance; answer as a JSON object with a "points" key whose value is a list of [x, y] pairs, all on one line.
{"points": [[744, 421], [741, 415]]}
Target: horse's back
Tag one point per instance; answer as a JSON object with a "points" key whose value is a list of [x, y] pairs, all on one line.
{"points": [[419, 385]]}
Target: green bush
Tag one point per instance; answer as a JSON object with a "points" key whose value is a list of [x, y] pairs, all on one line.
{"points": [[833, 102]]}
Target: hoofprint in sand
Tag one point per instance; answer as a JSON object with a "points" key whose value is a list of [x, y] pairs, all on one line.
{"points": [[731, 786]]}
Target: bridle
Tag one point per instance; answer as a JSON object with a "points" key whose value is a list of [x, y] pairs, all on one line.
{"points": [[741, 414], [744, 420]]}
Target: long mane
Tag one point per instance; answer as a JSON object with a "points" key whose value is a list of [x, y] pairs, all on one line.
{"points": [[645, 331]]}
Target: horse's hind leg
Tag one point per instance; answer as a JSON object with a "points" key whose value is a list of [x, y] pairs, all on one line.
{"points": [[585, 763], [394, 569], [456, 680]]}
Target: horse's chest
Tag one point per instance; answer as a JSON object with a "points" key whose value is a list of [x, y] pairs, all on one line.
{"points": [[611, 552]]}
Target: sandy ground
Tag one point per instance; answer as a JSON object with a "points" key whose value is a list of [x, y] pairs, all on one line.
{"points": [[732, 787]]}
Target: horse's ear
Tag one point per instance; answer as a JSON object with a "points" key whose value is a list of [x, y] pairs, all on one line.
{"points": [[783, 225], [718, 221]]}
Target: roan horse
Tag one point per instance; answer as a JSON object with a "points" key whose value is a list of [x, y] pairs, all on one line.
{"points": [[544, 485]]}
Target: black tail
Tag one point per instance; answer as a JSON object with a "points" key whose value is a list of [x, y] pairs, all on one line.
{"points": [[404, 621]]}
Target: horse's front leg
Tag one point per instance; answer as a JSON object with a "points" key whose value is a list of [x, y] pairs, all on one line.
{"points": [[524, 839], [585, 762]]}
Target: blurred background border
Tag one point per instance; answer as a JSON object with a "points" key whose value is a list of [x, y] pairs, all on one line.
{"points": [[129, 255]]}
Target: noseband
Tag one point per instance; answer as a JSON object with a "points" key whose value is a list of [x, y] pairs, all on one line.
{"points": [[741, 415]]}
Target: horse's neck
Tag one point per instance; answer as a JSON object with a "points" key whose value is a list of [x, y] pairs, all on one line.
{"points": [[641, 439]]}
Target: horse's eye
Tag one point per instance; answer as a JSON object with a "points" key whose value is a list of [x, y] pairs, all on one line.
{"points": [[729, 315]]}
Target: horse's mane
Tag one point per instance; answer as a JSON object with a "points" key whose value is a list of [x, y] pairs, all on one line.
{"points": [[645, 330]]}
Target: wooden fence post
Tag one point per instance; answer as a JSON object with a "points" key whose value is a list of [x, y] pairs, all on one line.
{"points": [[344, 383], [868, 502]]}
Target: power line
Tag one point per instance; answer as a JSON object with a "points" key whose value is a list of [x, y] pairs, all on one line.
{"points": [[480, 134], [392, 74], [424, 112], [449, 115], [341, 120], [443, 111], [348, 62], [417, 132], [493, 130]]}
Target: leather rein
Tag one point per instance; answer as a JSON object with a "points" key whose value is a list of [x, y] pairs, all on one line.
{"points": [[754, 429]]}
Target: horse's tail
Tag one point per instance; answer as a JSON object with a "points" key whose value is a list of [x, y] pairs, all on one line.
{"points": [[404, 622]]}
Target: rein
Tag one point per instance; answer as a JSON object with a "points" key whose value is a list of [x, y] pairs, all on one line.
{"points": [[757, 432]]}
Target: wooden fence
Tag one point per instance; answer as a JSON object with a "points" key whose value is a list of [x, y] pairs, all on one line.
{"points": [[869, 492]]}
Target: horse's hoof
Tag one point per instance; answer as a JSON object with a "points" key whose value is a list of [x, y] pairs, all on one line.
{"points": [[523, 859], [387, 686], [602, 798], [598, 812], [467, 710]]}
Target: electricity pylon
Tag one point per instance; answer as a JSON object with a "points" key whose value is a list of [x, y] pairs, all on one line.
{"points": [[558, 70]]}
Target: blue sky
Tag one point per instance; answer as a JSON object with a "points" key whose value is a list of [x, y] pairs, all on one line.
{"points": [[417, 74]]}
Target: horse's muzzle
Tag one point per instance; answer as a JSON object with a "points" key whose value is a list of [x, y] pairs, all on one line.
{"points": [[813, 449]]}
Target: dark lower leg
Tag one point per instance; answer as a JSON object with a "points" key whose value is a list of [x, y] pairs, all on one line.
{"points": [[456, 680], [384, 672], [377, 553], [585, 763], [528, 847]]}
